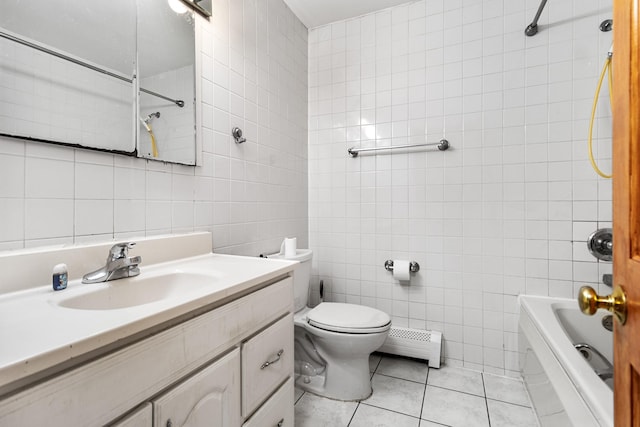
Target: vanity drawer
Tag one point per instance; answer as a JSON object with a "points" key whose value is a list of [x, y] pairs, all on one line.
{"points": [[267, 360], [277, 411]]}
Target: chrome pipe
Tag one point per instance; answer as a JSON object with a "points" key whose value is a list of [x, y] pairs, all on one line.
{"points": [[442, 146], [532, 29], [588, 348], [178, 102]]}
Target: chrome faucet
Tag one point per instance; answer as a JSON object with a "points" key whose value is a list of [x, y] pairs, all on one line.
{"points": [[118, 265]]}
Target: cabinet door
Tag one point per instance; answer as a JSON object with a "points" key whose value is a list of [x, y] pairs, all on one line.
{"points": [[209, 398]]}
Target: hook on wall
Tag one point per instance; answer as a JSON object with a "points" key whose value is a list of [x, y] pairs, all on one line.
{"points": [[606, 25], [237, 134]]}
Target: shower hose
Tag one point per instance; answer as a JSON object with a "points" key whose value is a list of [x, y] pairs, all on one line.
{"points": [[154, 146], [606, 69]]}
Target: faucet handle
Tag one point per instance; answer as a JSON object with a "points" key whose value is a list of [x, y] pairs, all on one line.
{"points": [[120, 250]]}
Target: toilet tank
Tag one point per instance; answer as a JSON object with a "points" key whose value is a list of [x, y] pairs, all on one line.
{"points": [[301, 276]]}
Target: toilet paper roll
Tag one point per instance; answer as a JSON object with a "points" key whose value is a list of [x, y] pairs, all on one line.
{"points": [[290, 247], [401, 270]]}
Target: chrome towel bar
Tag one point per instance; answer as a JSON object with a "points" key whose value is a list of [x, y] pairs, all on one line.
{"points": [[442, 146]]}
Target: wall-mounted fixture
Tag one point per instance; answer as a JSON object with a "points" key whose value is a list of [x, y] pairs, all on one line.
{"points": [[443, 145], [203, 7], [600, 244], [414, 267], [532, 29], [401, 269], [237, 134]]}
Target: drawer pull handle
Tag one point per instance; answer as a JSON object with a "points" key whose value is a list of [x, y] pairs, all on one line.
{"points": [[271, 362], [280, 423]]}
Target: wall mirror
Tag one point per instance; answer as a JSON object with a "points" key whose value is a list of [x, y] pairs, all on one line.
{"points": [[115, 76]]}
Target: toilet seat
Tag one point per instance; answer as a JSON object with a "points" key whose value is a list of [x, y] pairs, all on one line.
{"points": [[348, 318]]}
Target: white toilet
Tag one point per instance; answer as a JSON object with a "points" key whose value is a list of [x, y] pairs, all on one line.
{"points": [[333, 341]]}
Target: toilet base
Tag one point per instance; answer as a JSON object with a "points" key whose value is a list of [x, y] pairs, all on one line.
{"points": [[344, 383]]}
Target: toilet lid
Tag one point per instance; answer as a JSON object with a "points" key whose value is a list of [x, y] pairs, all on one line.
{"points": [[350, 318]]}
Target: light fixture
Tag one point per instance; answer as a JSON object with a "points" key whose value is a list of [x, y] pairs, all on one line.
{"points": [[177, 6], [203, 7]]}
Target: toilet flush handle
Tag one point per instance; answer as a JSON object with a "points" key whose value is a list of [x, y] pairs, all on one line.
{"points": [[271, 362]]}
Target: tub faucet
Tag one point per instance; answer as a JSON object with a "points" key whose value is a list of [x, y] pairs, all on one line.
{"points": [[607, 374], [118, 266], [587, 351]]}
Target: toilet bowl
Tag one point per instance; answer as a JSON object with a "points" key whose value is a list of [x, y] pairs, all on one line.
{"points": [[333, 341]]}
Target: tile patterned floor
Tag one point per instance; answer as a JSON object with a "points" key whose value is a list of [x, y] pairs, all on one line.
{"points": [[406, 393]]}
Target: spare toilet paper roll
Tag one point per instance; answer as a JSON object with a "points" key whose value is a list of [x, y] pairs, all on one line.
{"points": [[290, 247], [401, 269]]}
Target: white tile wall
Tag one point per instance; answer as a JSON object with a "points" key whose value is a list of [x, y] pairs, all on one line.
{"points": [[254, 75], [506, 211]]}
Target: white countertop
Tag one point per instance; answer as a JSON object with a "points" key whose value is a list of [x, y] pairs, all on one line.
{"points": [[37, 334]]}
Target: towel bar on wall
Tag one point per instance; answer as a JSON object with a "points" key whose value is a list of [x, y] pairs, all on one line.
{"points": [[442, 146]]}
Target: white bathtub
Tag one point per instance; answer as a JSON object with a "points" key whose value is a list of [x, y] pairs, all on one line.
{"points": [[563, 386]]}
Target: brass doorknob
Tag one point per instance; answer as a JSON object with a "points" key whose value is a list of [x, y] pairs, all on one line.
{"points": [[616, 303]]}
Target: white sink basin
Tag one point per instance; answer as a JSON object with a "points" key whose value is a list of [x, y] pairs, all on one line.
{"points": [[139, 290]]}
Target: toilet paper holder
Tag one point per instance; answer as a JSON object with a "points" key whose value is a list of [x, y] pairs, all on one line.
{"points": [[414, 267]]}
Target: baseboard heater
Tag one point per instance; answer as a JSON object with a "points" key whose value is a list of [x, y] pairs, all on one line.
{"points": [[417, 343]]}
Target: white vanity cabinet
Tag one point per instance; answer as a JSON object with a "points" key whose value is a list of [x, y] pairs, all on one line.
{"points": [[203, 370]]}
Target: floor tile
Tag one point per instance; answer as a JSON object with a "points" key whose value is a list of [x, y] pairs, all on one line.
{"points": [[509, 390], [315, 411], [507, 415], [454, 408], [458, 379], [396, 395], [404, 368], [370, 416], [297, 394]]}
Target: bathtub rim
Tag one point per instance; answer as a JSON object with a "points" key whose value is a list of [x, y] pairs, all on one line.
{"points": [[596, 394]]}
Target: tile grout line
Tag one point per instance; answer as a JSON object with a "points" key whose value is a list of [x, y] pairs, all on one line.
{"points": [[391, 410], [370, 379], [424, 394], [486, 402], [353, 415], [401, 378], [459, 391], [509, 403]]}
